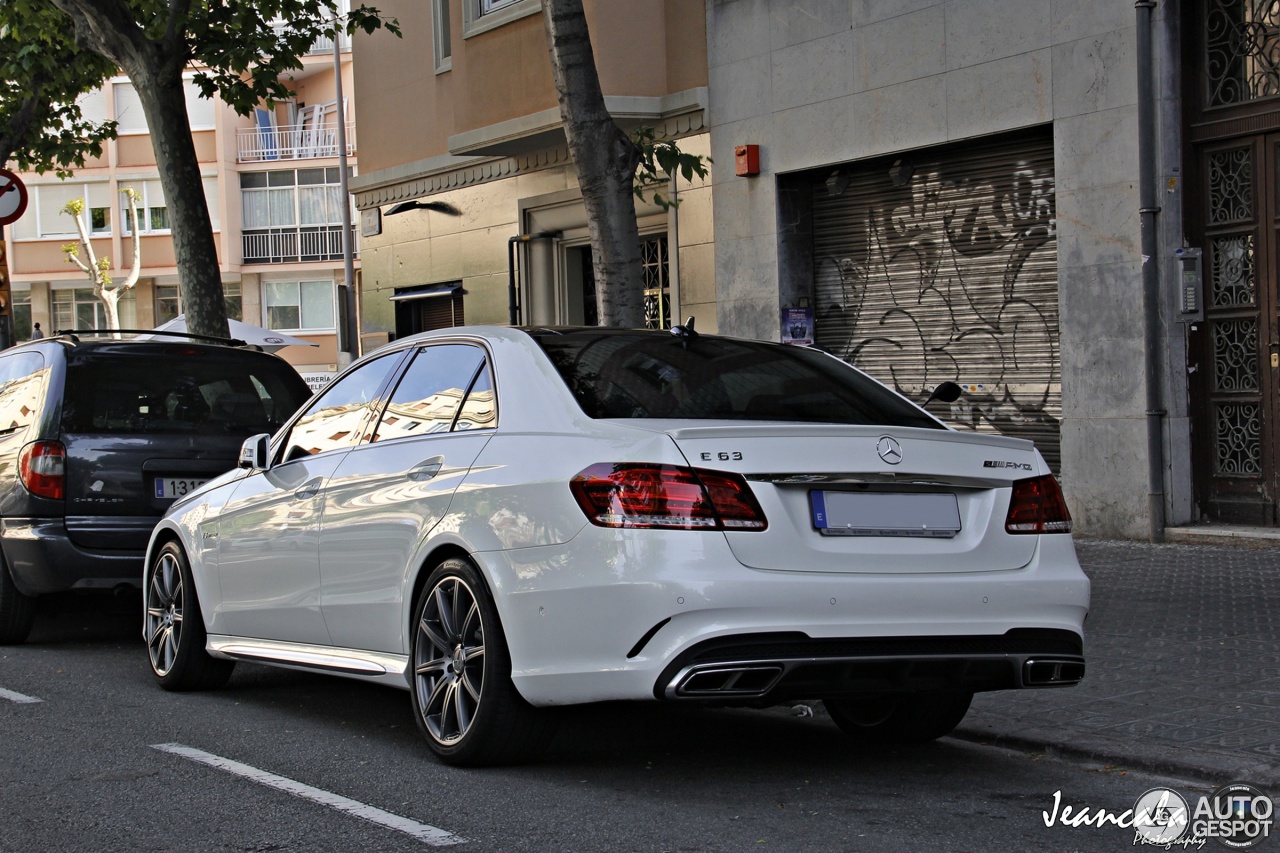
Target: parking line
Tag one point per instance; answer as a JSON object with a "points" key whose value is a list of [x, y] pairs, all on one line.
{"points": [[18, 697], [421, 831]]}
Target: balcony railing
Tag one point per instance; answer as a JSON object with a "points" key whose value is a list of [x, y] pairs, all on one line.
{"points": [[323, 44], [284, 245], [292, 142]]}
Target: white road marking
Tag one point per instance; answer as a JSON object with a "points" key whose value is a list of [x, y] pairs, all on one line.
{"points": [[421, 831], [18, 697]]}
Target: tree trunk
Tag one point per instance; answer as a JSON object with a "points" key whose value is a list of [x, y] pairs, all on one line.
{"points": [[605, 159], [110, 28], [110, 302], [194, 249]]}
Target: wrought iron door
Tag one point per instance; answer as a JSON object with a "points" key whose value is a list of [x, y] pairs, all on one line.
{"points": [[1236, 350]]}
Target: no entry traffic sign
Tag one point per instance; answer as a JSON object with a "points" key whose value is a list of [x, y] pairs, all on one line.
{"points": [[13, 197]]}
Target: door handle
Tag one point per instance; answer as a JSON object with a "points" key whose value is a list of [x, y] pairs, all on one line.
{"points": [[426, 469], [309, 489]]}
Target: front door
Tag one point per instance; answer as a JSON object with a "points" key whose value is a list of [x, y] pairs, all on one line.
{"points": [[1235, 352]]}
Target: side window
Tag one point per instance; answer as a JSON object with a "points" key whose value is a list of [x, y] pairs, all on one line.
{"points": [[21, 390], [479, 410], [430, 395], [335, 418]]}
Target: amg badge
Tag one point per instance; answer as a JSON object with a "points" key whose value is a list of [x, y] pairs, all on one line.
{"points": [[996, 463]]}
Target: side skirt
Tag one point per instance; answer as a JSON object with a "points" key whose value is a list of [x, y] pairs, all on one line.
{"points": [[379, 667]]}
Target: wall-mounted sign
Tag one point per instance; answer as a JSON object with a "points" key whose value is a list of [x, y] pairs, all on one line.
{"points": [[797, 326]]}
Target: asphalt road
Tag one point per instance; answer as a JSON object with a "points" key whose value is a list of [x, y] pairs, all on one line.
{"points": [[79, 770]]}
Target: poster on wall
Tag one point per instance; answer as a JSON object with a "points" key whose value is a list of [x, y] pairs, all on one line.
{"points": [[797, 326]]}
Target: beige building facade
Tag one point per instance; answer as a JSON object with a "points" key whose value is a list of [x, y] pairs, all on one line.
{"points": [[272, 181], [461, 115]]}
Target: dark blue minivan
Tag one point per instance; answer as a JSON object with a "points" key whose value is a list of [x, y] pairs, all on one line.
{"points": [[99, 436]]}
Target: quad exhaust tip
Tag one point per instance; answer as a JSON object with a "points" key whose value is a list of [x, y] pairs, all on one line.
{"points": [[1049, 672], [731, 680]]}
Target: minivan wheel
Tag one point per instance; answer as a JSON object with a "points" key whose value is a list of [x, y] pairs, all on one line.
{"points": [[17, 611], [461, 690], [899, 718], [174, 628]]}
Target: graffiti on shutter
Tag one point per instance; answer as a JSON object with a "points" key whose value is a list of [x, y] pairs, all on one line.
{"points": [[942, 265]]}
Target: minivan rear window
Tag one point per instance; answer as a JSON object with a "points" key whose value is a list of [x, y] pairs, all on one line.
{"points": [[627, 374], [114, 393]]}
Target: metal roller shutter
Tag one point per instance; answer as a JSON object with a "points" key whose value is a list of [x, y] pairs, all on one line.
{"points": [[942, 264]]}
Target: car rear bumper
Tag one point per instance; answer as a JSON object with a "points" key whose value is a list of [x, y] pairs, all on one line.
{"points": [[43, 559], [793, 666], [654, 607]]}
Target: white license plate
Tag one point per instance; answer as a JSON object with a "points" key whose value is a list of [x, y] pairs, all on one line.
{"points": [[885, 514], [176, 487]]}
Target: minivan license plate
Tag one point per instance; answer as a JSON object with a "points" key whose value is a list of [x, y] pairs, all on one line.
{"points": [[176, 487], [885, 514]]}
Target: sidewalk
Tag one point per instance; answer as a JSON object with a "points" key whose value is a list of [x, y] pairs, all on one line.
{"points": [[1183, 667]]}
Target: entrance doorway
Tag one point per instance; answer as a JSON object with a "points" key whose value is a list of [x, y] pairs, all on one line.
{"points": [[1231, 104], [1236, 351]]}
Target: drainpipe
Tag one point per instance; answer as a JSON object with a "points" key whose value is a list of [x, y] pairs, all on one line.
{"points": [[513, 288], [1151, 302]]}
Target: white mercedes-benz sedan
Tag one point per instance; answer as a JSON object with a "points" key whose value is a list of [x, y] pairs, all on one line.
{"points": [[504, 520]]}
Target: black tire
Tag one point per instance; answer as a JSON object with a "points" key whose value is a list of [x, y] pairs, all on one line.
{"points": [[899, 718], [17, 611], [463, 698], [174, 627]]}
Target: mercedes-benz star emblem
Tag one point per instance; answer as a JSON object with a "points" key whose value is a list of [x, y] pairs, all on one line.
{"points": [[889, 449]]}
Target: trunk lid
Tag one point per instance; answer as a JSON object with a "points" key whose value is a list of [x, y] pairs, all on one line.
{"points": [[892, 500]]}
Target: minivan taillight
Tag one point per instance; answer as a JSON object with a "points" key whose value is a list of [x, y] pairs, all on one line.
{"points": [[42, 466], [1037, 506], [666, 496]]}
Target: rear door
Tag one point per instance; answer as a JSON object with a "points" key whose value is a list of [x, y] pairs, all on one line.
{"points": [[144, 424], [389, 493]]}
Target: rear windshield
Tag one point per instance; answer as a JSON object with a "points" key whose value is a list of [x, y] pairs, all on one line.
{"points": [[179, 390], [654, 375]]}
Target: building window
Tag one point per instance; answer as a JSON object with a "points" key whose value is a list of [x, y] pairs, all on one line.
{"points": [[488, 7], [441, 36], [293, 306], [80, 309], [22, 315], [169, 302], [657, 282], [292, 215], [153, 215], [45, 216], [131, 120], [481, 15]]}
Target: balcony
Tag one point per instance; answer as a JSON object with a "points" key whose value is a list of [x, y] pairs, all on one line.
{"points": [[292, 245], [292, 142], [323, 44]]}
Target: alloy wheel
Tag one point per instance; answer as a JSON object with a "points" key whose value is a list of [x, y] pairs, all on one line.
{"points": [[449, 660], [164, 613]]}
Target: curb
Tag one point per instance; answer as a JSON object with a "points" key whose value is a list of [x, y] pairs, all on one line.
{"points": [[1215, 768]]}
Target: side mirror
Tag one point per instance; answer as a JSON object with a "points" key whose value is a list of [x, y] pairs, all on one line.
{"points": [[947, 392], [255, 452]]}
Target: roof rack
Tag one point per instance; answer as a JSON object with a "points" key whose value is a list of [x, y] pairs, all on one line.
{"points": [[74, 336]]}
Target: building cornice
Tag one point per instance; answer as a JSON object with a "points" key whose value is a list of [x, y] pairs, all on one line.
{"points": [[680, 114]]}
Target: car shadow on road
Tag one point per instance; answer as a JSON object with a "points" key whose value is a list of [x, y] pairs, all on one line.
{"points": [[92, 617], [597, 737]]}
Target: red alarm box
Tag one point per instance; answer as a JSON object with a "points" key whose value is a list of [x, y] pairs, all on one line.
{"points": [[746, 159]]}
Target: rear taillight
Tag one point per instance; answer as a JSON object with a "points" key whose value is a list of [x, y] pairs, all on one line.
{"points": [[666, 496], [42, 466], [1037, 506]]}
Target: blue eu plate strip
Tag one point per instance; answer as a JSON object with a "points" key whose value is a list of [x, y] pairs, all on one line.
{"points": [[819, 509]]}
